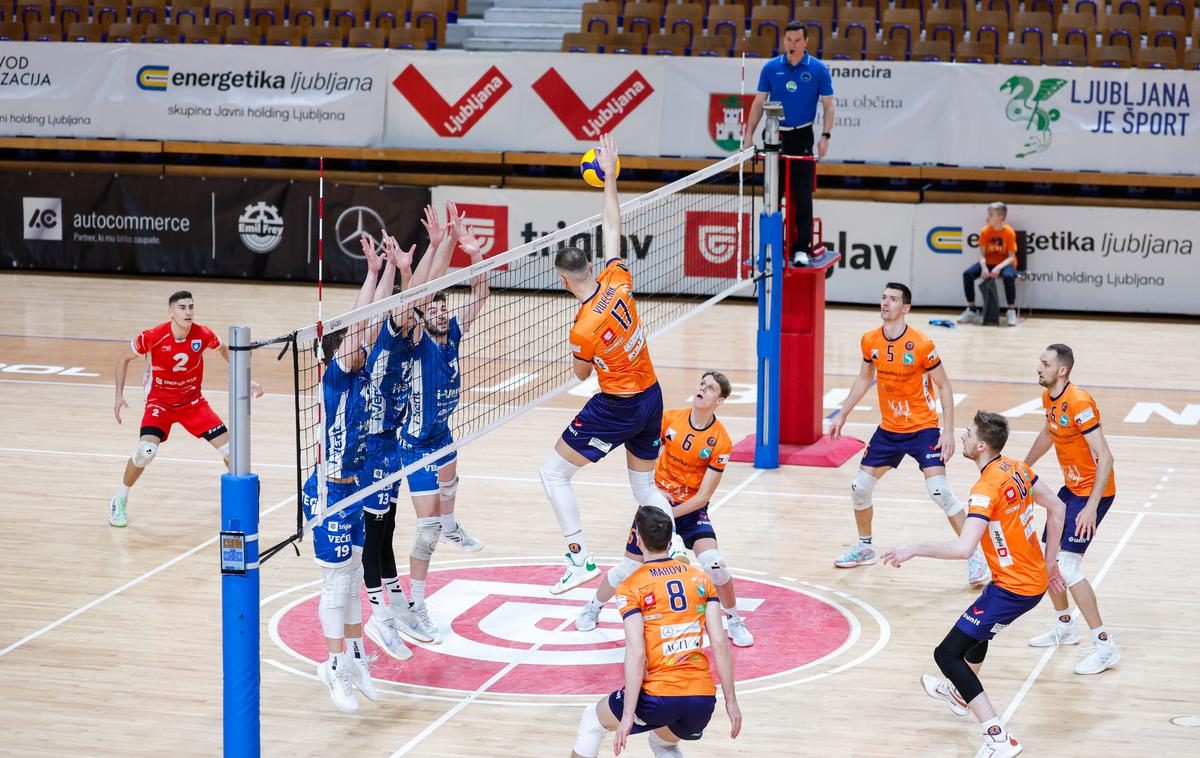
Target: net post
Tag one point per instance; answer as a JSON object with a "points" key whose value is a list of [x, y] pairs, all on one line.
{"points": [[239, 567], [772, 259]]}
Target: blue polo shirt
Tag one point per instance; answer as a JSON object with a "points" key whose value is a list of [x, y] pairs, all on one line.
{"points": [[798, 87]]}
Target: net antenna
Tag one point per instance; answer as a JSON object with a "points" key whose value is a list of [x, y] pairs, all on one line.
{"points": [[683, 243]]}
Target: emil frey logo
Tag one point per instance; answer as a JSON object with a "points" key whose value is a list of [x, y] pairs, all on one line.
{"points": [[1026, 106]]}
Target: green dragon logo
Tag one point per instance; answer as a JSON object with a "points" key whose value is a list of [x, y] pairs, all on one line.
{"points": [[1026, 106]]}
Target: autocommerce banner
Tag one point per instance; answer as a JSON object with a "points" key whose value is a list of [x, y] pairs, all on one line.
{"points": [[1007, 116]]}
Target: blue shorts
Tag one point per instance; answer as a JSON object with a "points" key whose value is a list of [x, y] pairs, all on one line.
{"points": [[335, 538], [609, 421], [686, 716], [889, 448], [995, 609], [690, 527], [383, 460], [1075, 505], [424, 481]]}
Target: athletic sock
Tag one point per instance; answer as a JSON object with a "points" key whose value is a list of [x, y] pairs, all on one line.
{"points": [[865, 540], [123, 491], [1100, 636], [576, 548], [993, 724], [396, 596], [354, 647], [380, 607], [732, 613], [448, 523], [417, 593], [1065, 619], [594, 605]]}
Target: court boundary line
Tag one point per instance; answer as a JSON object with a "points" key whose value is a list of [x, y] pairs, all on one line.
{"points": [[127, 585]]}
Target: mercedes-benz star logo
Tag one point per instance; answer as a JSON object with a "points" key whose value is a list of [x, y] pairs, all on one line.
{"points": [[352, 224]]}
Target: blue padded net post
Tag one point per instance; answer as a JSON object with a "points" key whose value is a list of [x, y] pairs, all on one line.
{"points": [[771, 261]]}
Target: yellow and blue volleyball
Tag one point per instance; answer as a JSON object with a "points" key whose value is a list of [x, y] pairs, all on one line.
{"points": [[589, 168]]}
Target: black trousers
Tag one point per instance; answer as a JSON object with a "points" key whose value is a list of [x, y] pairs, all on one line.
{"points": [[800, 180]]}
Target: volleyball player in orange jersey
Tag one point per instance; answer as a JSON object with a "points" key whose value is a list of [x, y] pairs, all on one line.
{"points": [[695, 450], [668, 608], [1000, 512], [607, 337], [1073, 428], [905, 365]]}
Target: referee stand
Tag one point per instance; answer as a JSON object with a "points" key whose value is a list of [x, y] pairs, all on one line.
{"points": [[791, 340]]}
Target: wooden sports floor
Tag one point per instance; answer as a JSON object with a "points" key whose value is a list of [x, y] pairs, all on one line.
{"points": [[110, 639]]}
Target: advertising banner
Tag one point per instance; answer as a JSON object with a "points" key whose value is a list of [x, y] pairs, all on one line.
{"points": [[267, 94], [257, 229], [61, 90]]}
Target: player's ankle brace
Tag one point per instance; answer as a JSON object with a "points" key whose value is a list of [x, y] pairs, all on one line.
{"points": [[942, 495], [860, 490], [590, 733]]}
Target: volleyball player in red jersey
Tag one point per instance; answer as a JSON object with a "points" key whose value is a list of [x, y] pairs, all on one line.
{"points": [[174, 371]]}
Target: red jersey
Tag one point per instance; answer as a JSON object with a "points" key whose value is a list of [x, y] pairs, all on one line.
{"points": [[608, 334], [176, 367]]}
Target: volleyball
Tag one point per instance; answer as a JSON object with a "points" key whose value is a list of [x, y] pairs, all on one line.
{"points": [[589, 167]]}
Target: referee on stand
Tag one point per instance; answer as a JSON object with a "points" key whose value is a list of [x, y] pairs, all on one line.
{"points": [[797, 80]]}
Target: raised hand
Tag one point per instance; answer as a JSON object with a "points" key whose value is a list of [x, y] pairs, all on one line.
{"points": [[470, 244], [433, 226], [606, 155], [454, 219], [374, 262]]}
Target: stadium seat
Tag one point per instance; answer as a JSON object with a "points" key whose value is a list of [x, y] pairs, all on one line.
{"points": [[756, 46], [844, 49], [285, 36], [1185, 9], [126, 31], [1076, 28], [887, 49], [867, 5], [189, 12], [389, 14], [945, 24], [1167, 31], [1156, 57], [242, 35], [580, 42], [43, 31], [108, 12], [684, 19], [931, 50], [1053, 7], [430, 15], [30, 12], [1117, 30], [225, 13], [362, 36], [1094, 8], [1000, 6], [406, 38], [1065, 55], [989, 27], [331, 36], [975, 52], [67, 12], [958, 7], [920, 6], [769, 20], [1110, 56], [1034, 25], [623, 43], [148, 11], [1191, 59], [1196, 33], [82, 31], [201, 34], [599, 18], [904, 23], [727, 21], [11, 31], [667, 44], [819, 20], [710, 47], [266, 13], [164, 34], [860, 19], [1021, 53], [347, 13], [644, 18], [1129, 11]]}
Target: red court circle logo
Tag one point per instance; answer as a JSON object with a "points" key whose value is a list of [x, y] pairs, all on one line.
{"points": [[503, 632]]}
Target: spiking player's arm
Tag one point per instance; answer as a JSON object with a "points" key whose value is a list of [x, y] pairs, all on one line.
{"points": [[946, 393], [440, 243], [635, 673], [866, 375], [1085, 522], [606, 156], [708, 486], [350, 352], [724, 663], [1056, 514], [479, 283], [1041, 445], [256, 389]]}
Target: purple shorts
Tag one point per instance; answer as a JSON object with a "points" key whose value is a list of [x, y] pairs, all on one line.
{"points": [[889, 448], [609, 421], [686, 716], [995, 609]]}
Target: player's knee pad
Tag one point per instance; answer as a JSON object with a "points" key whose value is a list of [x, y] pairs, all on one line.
{"points": [[556, 470], [448, 489], [860, 490], [714, 565], [1068, 566], [428, 531], [144, 454], [335, 589], [224, 451], [660, 748], [622, 571], [590, 733], [942, 495], [646, 492]]}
